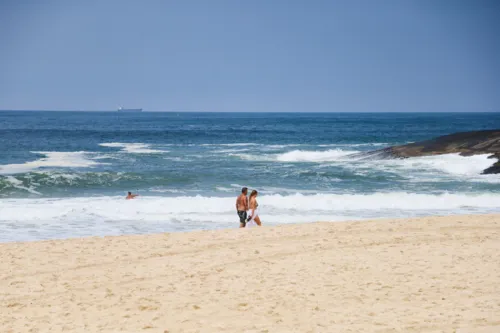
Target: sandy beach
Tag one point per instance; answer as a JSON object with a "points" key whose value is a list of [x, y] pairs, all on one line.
{"points": [[432, 274]]}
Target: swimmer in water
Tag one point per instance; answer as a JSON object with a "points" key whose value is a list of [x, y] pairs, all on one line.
{"points": [[131, 196]]}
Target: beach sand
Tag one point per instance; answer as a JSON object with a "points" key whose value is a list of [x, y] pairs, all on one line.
{"points": [[432, 274]]}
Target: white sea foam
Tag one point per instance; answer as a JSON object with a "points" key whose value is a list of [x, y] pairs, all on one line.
{"points": [[133, 148], [231, 144], [230, 151], [431, 168], [313, 156], [19, 185], [278, 147], [106, 157], [77, 159], [26, 219], [374, 144], [450, 163], [165, 190], [383, 201], [238, 147], [177, 159], [269, 190], [224, 189], [299, 156]]}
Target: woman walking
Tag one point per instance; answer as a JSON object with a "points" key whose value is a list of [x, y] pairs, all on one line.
{"points": [[253, 212]]}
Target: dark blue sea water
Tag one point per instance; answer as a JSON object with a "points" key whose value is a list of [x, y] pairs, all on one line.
{"points": [[65, 174]]}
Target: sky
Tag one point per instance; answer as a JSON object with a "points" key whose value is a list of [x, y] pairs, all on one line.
{"points": [[262, 55]]}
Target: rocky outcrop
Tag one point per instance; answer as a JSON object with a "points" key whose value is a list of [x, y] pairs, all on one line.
{"points": [[464, 143], [495, 168]]}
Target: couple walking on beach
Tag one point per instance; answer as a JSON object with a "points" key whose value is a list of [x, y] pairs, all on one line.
{"points": [[247, 208]]}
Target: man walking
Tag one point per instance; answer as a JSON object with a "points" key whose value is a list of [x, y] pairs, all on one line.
{"points": [[242, 206]]}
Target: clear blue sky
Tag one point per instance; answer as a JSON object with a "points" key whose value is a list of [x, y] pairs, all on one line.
{"points": [[264, 55]]}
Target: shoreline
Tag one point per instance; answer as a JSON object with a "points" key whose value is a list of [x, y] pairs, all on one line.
{"points": [[236, 227], [425, 274]]}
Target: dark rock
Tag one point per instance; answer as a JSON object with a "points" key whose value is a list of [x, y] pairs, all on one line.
{"points": [[495, 168], [464, 143]]}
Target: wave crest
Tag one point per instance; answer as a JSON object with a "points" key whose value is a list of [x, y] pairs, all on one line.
{"points": [[133, 148], [299, 156], [70, 217], [52, 159], [314, 156]]}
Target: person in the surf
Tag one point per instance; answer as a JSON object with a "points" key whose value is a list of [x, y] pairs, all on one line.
{"points": [[242, 206], [131, 196]]}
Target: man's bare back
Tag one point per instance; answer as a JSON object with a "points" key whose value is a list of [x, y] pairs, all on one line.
{"points": [[242, 207], [242, 203]]}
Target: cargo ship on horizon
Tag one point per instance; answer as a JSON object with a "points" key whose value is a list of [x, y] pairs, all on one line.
{"points": [[120, 109]]}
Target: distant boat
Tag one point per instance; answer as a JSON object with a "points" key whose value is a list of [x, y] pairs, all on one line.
{"points": [[120, 109]]}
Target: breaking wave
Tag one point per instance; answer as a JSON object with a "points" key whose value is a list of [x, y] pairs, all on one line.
{"points": [[133, 148], [313, 156], [72, 217], [298, 156], [52, 159]]}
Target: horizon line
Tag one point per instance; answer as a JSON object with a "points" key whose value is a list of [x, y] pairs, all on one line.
{"points": [[208, 111]]}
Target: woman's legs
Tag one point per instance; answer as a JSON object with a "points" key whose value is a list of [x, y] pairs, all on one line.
{"points": [[257, 220]]}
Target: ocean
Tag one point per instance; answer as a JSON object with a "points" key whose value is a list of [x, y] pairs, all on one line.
{"points": [[66, 174]]}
